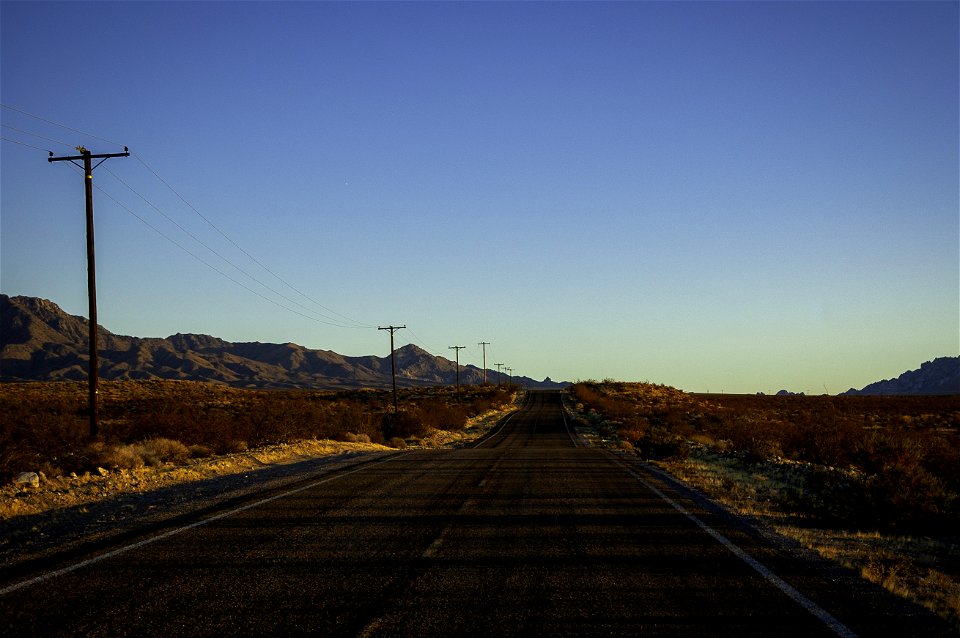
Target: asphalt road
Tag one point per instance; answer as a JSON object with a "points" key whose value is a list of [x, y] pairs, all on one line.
{"points": [[525, 534]]}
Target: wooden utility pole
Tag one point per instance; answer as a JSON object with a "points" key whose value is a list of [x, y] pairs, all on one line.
{"points": [[94, 373], [499, 365], [393, 364], [484, 344], [458, 349]]}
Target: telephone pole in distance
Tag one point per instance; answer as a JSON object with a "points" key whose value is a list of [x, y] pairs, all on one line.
{"points": [[393, 364], [484, 344], [499, 365], [458, 349], [94, 373]]}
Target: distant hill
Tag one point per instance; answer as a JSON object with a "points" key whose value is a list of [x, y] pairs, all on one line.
{"points": [[40, 342], [940, 376]]}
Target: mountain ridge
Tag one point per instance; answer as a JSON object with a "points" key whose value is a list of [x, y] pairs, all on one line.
{"points": [[936, 377], [41, 342]]}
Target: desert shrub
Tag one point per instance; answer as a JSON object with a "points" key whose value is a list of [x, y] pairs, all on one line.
{"points": [[678, 422], [225, 433], [909, 497], [236, 445], [478, 399], [613, 409], [438, 415], [270, 419], [198, 451], [830, 496], [404, 424], [902, 498], [634, 430], [661, 443], [638, 419], [159, 451], [818, 433], [901, 484], [123, 456], [128, 456], [397, 442], [943, 458], [212, 429], [754, 438], [357, 420]]}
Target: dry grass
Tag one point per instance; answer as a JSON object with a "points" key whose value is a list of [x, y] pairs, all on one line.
{"points": [[910, 567]]}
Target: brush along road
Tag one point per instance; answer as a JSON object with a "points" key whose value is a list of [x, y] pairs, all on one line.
{"points": [[525, 534]]}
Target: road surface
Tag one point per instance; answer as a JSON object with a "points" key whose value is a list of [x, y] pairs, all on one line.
{"points": [[525, 534]]}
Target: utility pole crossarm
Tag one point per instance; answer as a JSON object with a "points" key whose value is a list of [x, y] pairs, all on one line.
{"points": [[73, 158]]}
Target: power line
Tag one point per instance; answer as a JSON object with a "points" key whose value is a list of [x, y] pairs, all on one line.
{"points": [[63, 126], [241, 249], [332, 321], [48, 139], [7, 139], [211, 266], [417, 340]]}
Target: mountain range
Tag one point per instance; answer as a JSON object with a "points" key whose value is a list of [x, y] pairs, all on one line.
{"points": [[41, 342], [940, 376]]}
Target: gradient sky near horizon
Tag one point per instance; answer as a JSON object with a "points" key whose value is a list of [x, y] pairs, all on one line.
{"points": [[717, 196]]}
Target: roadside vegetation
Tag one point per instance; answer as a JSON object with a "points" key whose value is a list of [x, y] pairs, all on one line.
{"points": [[871, 482], [44, 426]]}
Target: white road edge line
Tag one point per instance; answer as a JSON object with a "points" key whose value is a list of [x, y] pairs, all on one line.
{"points": [[477, 445], [838, 627], [563, 413], [153, 539]]}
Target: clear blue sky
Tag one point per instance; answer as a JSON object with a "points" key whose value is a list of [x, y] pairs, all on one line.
{"points": [[717, 196]]}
